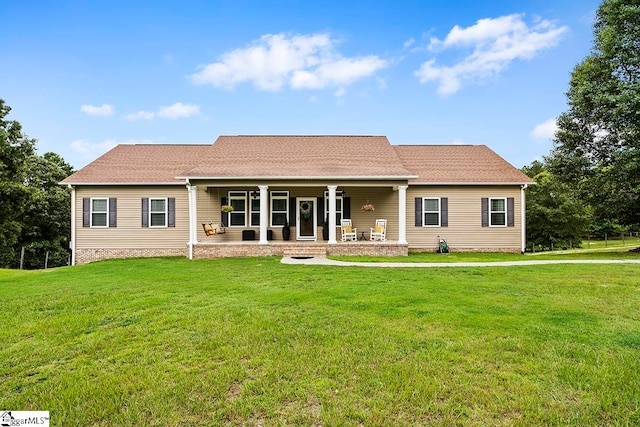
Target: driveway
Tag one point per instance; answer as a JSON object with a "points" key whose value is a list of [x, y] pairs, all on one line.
{"points": [[325, 261]]}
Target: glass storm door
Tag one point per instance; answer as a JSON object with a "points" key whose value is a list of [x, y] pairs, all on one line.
{"points": [[306, 218]]}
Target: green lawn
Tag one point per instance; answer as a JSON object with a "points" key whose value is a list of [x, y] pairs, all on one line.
{"points": [[253, 342]]}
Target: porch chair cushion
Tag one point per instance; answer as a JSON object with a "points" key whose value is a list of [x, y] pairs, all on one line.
{"points": [[209, 229], [378, 229]]}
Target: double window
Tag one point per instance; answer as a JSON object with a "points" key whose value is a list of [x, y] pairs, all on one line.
{"points": [[245, 206]]}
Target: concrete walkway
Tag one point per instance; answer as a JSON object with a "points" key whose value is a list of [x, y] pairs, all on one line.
{"points": [[325, 261]]}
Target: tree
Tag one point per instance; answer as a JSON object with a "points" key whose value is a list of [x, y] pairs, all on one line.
{"points": [[47, 219], [597, 145], [15, 151], [34, 209], [556, 217]]}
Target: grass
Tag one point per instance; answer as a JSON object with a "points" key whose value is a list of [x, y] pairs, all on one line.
{"points": [[251, 342], [611, 253]]}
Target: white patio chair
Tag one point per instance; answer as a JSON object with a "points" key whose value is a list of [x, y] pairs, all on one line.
{"points": [[379, 231], [348, 231]]}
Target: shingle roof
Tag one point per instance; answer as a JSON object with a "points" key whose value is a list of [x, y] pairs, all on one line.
{"points": [[324, 156], [140, 163], [458, 164], [303, 157]]}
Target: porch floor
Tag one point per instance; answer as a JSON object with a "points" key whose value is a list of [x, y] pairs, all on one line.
{"points": [[298, 248]]}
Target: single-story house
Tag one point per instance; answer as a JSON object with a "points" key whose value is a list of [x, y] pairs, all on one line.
{"points": [[164, 199]]}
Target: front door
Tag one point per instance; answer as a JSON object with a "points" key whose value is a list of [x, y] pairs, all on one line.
{"points": [[306, 218]]}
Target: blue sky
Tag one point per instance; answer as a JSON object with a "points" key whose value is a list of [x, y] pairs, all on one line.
{"points": [[82, 76]]}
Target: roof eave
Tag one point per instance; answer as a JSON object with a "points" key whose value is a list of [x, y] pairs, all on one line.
{"points": [[307, 178], [120, 183], [470, 183]]}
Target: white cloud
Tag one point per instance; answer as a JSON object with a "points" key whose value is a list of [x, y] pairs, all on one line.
{"points": [[103, 110], [91, 149], [545, 130], [140, 115], [178, 111], [407, 44], [175, 111], [495, 44], [340, 92], [278, 60]]}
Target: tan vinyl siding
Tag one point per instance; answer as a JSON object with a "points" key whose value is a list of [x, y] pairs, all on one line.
{"points": [[129, 233], [465, 229]]}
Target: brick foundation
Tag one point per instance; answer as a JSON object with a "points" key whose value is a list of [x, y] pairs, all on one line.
{"points": [[315, 249], [457, 249], [253, 249], [84, 256]]}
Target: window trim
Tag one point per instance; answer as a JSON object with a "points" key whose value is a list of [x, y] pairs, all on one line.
{"points": [[339, 212], [166, 212], [283, 196], [238, 195], [491, 212], [106, 213], [425, 211]]}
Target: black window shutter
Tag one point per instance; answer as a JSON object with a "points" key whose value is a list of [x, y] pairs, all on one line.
{"points": [[292, 211], [86, 212], [145, 211], [113, 212], [510, 219], [320, 211], [346, 207], [485, 212], [171, 220], [224, 217], [444, 212], [418, 211]]}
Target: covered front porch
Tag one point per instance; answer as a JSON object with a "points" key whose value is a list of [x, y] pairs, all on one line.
{"points": [[312, 212]]}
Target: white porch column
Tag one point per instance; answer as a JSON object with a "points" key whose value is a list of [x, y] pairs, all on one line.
{"points": [[402, 214], [193, 216], [72, 242], [523, 218], [332, 214], [264, 214]]}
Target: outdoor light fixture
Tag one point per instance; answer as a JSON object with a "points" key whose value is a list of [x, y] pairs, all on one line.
{"points": [[254, 194]]}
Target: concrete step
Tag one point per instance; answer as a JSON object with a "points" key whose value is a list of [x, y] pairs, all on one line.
{"points": [[305, 251]]}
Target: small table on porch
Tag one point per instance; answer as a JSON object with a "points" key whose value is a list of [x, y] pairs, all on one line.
{"points": [[362, 236]]}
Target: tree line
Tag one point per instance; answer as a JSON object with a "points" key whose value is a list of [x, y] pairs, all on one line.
{"points": [[34, 208], [590, 182]]}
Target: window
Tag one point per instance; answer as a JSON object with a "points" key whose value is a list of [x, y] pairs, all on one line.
{"points": [[498, 212], [99, 212], [431, 212], [158, 212], [279, 208], [238, 199], [255, 211], [339, 208]]}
